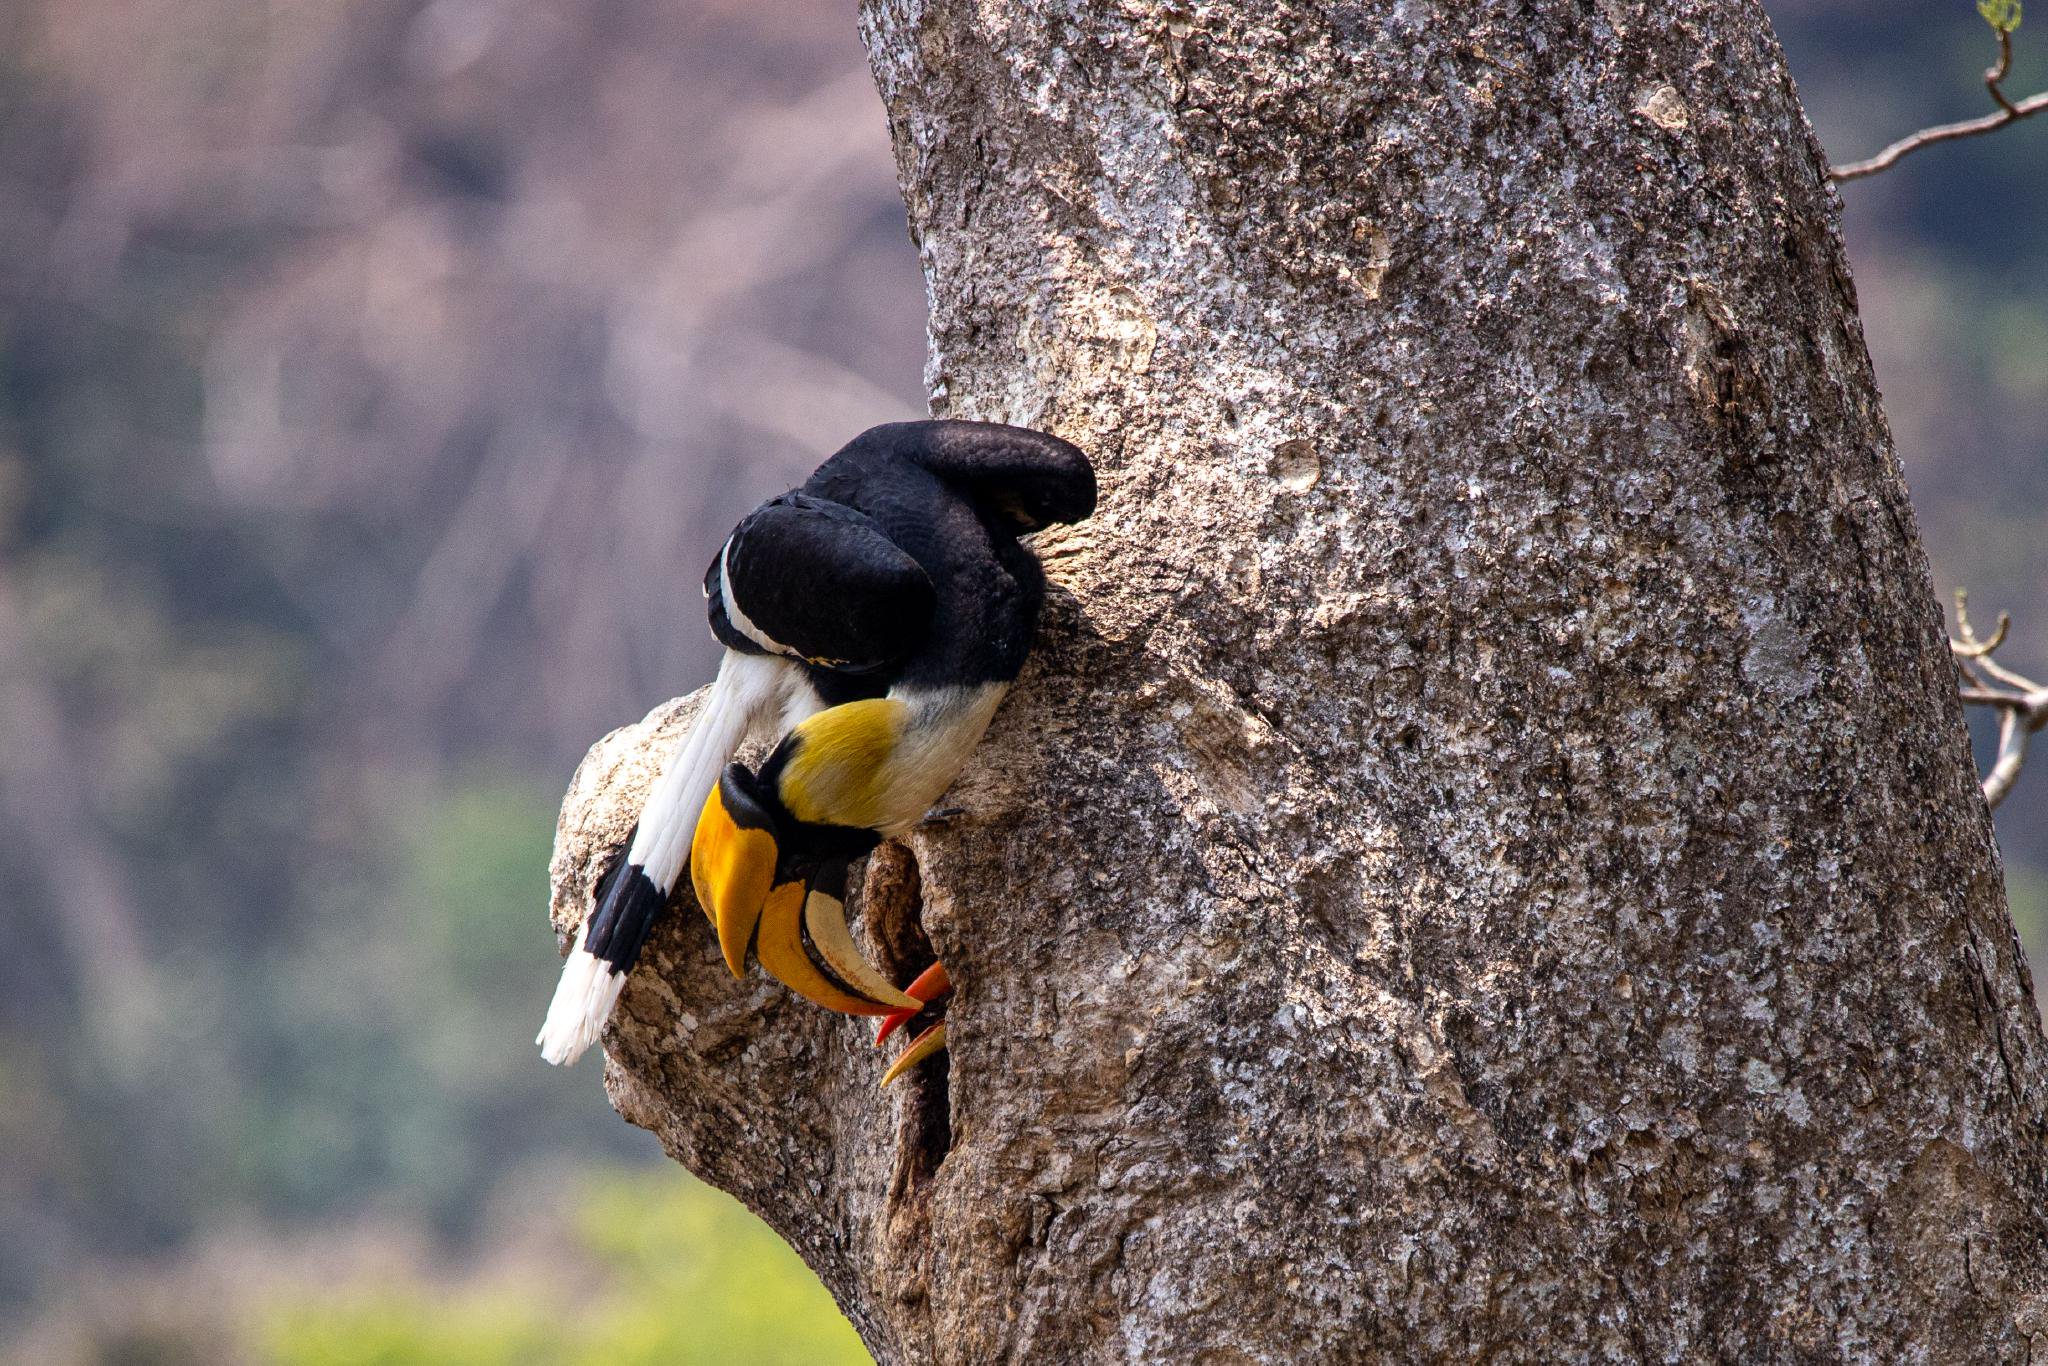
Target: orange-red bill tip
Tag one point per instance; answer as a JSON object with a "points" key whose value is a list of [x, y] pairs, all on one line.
{"points": [[931, 984], [892, 1022]]}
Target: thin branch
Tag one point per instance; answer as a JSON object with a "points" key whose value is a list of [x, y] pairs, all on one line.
{"points": [[1995, 77], [2012, 753], [1976, 649], [51, 823], [1991, 697], [2021, 702], [2008, 112]]}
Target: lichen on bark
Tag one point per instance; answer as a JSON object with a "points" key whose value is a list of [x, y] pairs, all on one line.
{"points": [[1485, 860]]}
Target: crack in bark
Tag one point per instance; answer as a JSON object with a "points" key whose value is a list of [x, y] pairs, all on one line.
{"points": [[892, 910]]}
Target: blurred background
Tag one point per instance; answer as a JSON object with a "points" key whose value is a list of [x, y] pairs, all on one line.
{"points": [[376, 378]]}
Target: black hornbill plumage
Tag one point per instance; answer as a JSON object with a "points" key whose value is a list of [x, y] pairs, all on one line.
{"points": [[873, 619]]}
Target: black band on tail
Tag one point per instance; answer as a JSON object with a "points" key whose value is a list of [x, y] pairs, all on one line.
{"points": [[628, 904]]}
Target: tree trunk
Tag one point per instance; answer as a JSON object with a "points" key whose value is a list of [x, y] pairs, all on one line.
{"points": [[1486, 860]]}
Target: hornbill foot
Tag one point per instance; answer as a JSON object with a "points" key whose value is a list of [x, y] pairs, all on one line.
{"points": [[930, 989], [766, 887]]}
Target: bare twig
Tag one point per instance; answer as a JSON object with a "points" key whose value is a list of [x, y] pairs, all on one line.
{"points": [[2022, 703], [2008, 112], [1995, 77]]}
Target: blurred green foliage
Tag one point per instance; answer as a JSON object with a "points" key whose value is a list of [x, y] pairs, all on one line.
{"points": [[683, 1277], [402, 1061]]}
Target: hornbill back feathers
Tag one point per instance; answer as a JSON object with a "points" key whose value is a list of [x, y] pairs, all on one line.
{"points": [[816, 580], [1027, 480], [897, 562]]}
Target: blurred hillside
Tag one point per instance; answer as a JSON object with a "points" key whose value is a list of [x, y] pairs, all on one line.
{"points": [[376, 377]]}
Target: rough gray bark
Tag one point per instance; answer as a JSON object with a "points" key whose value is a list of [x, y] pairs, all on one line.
{"points": [[1486, 861]]}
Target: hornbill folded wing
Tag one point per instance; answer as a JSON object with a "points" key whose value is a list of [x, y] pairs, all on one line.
{"points": [[815, 580]]}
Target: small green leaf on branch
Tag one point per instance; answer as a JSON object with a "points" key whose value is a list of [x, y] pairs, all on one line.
{"points": [[2002, 15]]}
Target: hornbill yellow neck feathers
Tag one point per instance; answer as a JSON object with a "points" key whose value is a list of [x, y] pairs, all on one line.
{"points": [[872, 620]]}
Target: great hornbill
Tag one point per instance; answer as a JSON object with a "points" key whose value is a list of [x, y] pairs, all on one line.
{"points": [[873, 618]]}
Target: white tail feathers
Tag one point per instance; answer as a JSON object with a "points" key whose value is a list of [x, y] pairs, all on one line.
{"points": [[583, 1002], [746, 688], [747, 685]]}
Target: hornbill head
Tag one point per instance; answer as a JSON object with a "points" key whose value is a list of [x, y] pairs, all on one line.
{"points": [[777, 885]]}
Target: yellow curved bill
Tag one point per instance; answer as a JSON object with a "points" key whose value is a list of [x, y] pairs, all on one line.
{"points": [[780, 947], [926, 1044], [732, 869], [825, 919]]}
